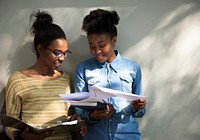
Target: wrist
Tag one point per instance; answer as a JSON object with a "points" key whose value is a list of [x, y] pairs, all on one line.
{"points": [[90, 114], [134, 110]]}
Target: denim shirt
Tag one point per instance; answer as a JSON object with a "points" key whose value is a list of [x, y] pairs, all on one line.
{"points": [[123, 75]]}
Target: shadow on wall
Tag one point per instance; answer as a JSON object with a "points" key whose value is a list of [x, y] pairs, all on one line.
{"points": [[80, 52], [22, 58], [2, 103], [169, 57]]}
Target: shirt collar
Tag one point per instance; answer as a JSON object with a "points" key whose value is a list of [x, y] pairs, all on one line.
{"points": [[115, 63]]}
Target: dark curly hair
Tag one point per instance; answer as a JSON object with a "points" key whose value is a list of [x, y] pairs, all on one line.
{"points": [[101, 21], [44, 30]]}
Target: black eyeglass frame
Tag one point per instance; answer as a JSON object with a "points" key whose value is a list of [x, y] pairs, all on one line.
{"points": [[59, 53]]}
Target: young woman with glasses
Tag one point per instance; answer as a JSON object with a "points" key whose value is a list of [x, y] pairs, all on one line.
{"points": [[32, 95]]}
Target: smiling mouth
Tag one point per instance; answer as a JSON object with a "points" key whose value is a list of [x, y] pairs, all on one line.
{"points": [[57, 64], [99, 56]]}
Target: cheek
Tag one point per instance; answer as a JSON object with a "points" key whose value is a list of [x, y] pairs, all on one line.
{"points": [[92, 51], [49, 60]]}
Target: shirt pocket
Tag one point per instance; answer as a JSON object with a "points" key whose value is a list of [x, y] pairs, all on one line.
{"points": [[93, 81], [126, 82]]}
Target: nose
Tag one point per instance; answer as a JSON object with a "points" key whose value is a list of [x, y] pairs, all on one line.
{"points": [[97, 50], [62, 58]]}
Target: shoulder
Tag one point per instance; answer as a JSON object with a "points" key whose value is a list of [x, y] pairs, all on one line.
{"points": [[125, 63], [15, 81], [65, 76], [88, 61], [65, 79], [130, 63], [16, 75], [91, 62]]}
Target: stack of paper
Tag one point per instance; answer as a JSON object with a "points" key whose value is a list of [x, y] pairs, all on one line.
{"points": [[96, 98]]}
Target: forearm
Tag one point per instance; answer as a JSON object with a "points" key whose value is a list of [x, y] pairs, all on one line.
{"points": [[85, 115], [13, 108], [11, 133], [138, 113]]}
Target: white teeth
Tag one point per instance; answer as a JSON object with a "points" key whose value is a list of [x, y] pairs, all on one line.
{"points": [[99, 56], [57, 63]]}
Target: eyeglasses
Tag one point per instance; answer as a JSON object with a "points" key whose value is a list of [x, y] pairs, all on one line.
{"points": [[59, 54]]}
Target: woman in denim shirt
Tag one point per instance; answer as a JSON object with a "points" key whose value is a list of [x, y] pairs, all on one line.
{"points": [[108, 69]]}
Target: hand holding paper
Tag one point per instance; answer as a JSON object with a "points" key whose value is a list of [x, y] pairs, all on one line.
{"points": [[138, 104]]}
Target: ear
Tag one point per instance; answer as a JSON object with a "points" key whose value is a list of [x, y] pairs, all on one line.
{"points": [[114, 40], [40, 48]]}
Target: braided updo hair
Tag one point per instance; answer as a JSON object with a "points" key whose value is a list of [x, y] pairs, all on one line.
{"points": [[101, 21], [44, 30]]}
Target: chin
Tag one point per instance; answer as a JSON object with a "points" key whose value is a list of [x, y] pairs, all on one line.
{"points": [[55, 67], [102, 61], [101, 58]]}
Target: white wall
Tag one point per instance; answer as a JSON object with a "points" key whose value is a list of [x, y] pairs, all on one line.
{"points": [[162, 35]]}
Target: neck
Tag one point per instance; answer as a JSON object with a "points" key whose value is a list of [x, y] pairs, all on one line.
{"points": [[44, 71]]}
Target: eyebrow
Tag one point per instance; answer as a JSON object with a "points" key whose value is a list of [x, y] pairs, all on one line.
{"points": [[97, 42], [61, 50]]}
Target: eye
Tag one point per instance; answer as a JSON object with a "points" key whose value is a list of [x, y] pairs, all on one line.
{"points": [[92, 46], [57, 53], [101, 45]]}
